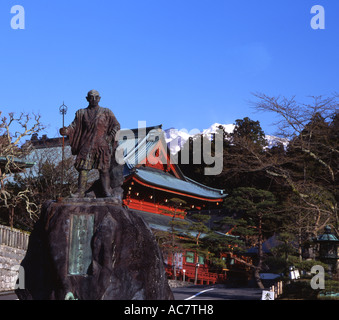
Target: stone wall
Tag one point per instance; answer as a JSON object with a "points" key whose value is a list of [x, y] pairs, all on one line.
{"points": [[10, 259], [13, 246]]}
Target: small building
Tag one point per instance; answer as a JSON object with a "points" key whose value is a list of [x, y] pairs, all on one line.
{"points": [[14, 165]]}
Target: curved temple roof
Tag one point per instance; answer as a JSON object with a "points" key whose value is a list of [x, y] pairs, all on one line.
{"points": [[168, 181]]}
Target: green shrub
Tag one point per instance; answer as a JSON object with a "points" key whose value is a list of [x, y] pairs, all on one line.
{"points": [[305, 265], [300, 289]]}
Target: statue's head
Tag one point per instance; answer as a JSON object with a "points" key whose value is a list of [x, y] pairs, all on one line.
{"points": [[93, 97]]}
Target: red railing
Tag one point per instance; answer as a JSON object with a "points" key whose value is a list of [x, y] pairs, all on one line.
{"points": [[151, 207], [204, 277]]}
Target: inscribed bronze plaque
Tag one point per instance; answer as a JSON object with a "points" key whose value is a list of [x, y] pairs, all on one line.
{"points": [[80, 252]]}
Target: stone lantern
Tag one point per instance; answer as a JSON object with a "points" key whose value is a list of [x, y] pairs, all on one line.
{"points": [[329, 249]]}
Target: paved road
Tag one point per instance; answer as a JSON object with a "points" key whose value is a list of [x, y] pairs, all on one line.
{"points": [[8, 296], [217, 292]]}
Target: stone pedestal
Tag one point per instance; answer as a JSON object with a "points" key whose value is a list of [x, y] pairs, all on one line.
{"points": [[92, 250]]}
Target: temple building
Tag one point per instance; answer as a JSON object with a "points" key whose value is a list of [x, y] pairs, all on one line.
{"points": [[152, 178]]}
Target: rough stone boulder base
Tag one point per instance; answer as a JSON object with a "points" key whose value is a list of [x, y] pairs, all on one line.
{"points": [[124, 260]]}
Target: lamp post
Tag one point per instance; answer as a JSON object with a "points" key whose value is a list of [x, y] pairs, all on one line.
{"points": [[328, 249], [196, 273], [63, 111]]}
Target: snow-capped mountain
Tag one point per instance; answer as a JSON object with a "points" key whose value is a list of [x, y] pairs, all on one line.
{"points": [[273, 141], [175, 138], [213, 128]]}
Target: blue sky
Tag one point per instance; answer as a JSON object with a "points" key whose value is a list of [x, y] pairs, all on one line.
{"points": [[180, 63]]}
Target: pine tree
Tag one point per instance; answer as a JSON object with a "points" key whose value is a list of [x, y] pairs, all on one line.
{"points": [[171, 241], [257, 207], [249, 130], [193, 238], [245, 158]]}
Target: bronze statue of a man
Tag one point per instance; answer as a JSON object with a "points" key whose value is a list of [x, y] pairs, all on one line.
{"points": [[92, 139]]}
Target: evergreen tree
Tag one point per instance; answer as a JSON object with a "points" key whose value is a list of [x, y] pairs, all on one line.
{"points": [[249, 130], [220, 242], [171, 241], [257, 207], [193, 239], [191, 160], [245, 157]]}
